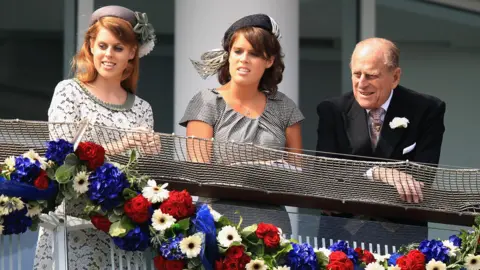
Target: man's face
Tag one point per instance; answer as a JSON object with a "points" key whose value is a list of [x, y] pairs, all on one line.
{"points": [[372, 80]]}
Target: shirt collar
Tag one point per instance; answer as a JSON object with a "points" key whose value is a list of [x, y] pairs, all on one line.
{"points": [[386, 104]]}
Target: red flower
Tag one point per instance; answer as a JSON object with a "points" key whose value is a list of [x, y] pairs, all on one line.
{"points": [[339, 265], [337, 256], [41, 182], [365, 255], [414, 260], [100, 222], [161, 263], [235, 252], [137, 209], [244, 260], [179, 205], [92, 153], [269, 233]]}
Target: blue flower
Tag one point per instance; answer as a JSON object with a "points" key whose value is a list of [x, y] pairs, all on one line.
{"points": [[137, 239], [170, 249], [455, 240], [301, 257], [434, 250], [58, 150], [203, 222], [26, 170], [343, 247], [392, 261], [16, 222], [107, 183]]}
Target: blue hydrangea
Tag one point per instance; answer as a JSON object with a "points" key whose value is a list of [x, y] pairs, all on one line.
{"points": [[343, 246], [26, 170], [170, 249], [58, 150], [301, 257], [434, 250], [107, 183], [455, 240], [16, 222], [136, 239], [392, 261]]}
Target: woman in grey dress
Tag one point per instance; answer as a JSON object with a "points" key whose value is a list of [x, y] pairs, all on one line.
{"points": [[247, 107]]}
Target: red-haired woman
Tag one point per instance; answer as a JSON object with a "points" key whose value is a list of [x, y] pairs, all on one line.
{"points": [[106, 75]]}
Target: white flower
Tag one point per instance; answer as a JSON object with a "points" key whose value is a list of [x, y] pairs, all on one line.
{"points": [[256, 265], [381, 258], [227, 236], [80, 182], [153, 193], [325, 251], [191, 246], [396, 267], [215, 214], [399, 122], [33, 209], [161, 221], [472, 262], [282, 268], [452, 248], [34, 156], [435, 265], [8, 205], [374, 266], [10, 162]]}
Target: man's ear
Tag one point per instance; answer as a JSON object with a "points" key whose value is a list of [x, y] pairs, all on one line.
{"points": [[397, 73]]}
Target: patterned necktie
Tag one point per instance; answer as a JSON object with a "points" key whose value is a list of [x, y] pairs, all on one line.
{"points": [[375, 125]]}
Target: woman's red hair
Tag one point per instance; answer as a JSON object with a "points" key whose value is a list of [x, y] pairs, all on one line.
{"points": [[82, 63]]}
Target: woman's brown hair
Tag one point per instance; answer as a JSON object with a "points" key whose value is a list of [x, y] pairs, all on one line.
{"points": [[264, 43], [82, 64]]}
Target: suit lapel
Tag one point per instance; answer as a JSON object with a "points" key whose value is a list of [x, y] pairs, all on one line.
{"points": [[389, 138], [357, 130]]}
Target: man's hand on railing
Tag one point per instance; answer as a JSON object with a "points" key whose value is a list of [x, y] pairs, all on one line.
{"points": [[410, 190]]}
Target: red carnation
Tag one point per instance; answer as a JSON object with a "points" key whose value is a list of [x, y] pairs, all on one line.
{"points": [[235, 252], [269, 233], [41, 182], [365, 255], [414, 260], [179, 205], [92, 153], [100, 222], [161, 263], [137, 209]]}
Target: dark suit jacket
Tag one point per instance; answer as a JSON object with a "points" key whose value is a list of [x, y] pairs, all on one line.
{"points": [[343, 128]]}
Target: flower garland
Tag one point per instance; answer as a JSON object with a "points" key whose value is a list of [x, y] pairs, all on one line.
{"points": [[139, 214]]}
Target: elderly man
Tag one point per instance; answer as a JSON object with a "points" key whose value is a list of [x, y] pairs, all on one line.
{"points": [[381, 119]]}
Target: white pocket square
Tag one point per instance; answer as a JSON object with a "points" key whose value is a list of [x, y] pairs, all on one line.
{"points": [[409, 149]]}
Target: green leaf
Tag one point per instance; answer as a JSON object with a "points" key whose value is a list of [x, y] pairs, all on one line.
{"points": [[477, 220], [129, 194], [114, 218], [247, 231], [222, 222], [184, 224], [321, 258], [121, 227], [71, 160], [65, 173]]}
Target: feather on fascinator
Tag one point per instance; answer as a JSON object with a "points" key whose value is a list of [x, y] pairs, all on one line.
{"points": [[211, 61], [139, 21]]}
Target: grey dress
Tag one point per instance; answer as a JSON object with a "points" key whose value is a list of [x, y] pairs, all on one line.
{"points": [[268, 130]]}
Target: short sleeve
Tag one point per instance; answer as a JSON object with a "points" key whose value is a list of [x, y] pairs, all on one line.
{"points": [[146, 115], [294, 115], [63, 107], [149, 117], [202, 107]]}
